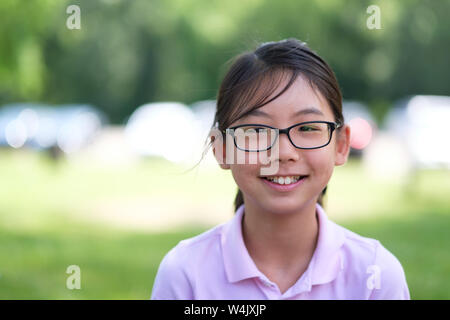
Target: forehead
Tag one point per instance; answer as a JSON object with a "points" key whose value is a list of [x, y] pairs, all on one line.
{"points": [[300, 99]]}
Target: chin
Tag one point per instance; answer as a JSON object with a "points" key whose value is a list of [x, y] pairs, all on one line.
{"points": [[284, 207]]}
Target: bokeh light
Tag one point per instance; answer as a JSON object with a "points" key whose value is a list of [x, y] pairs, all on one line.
{"points": [[361, 133]]}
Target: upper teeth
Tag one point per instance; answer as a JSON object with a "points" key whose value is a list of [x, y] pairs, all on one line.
{"points": [[284, 180]]}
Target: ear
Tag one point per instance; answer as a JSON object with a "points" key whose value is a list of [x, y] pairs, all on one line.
{"points": [[219, 151], [342, 145]]}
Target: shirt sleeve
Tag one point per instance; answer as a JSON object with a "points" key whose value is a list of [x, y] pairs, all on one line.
{"points": [[388, 281], [171, 281]]}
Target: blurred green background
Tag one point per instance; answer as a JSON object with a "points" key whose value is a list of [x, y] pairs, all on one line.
{"points": [[117, 223], [131, 52], [50, 218]]}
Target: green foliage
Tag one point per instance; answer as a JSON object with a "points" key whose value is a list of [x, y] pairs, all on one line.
{"points": [[131, 52]]}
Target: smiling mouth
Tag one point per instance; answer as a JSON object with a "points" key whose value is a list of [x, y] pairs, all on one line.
{"points": [[284, 180]]}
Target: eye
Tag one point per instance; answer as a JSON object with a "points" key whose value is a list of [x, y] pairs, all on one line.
{"points": [[308, 128]]}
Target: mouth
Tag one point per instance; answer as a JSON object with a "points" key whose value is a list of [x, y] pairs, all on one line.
{"points": [[284, 180]]}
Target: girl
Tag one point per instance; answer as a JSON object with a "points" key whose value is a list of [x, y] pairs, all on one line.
{"points": [[279, 108]]}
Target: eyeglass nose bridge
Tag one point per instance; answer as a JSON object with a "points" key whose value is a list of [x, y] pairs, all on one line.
{"points": [[286, 131]]}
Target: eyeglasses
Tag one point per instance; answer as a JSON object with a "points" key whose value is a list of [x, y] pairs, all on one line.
{"points": [[304, 135]]}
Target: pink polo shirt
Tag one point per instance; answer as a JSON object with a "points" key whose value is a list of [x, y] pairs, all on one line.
{"points": [[217, 265]]}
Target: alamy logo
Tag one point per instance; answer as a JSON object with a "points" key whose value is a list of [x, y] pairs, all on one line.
{"points": [[74, 280], [74, 20], [374, 280], [374, 20], [268, 159]]}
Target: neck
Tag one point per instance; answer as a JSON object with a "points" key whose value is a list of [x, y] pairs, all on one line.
{"points": [[280, 240]]}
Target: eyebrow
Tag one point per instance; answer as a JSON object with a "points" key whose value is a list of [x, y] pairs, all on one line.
{"points": [[310, 110]]}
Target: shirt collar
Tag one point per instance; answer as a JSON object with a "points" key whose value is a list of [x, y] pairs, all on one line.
{"points": [[324, 266], [327, 262]]}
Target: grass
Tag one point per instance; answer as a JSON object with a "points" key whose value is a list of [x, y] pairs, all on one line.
{"points": [[114, 265], [47, 223]]}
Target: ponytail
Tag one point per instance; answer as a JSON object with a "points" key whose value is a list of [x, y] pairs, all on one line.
{"points": [[239, 200]]}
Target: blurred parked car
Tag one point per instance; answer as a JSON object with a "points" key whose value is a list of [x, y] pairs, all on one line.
{"points": [[43, 127], [422, 124], [414, 136], [204, 111], [165, 129]]}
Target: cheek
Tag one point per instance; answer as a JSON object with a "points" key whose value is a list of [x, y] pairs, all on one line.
{"points": [[321, 162], [248, 158], [244, 174]]}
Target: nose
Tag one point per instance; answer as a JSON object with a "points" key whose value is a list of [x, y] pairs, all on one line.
{"points": [[286, 150]]}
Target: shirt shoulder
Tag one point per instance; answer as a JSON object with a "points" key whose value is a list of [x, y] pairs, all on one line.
{"points": [[204, 238], [374, 266], [389, 280], [175, 275]]}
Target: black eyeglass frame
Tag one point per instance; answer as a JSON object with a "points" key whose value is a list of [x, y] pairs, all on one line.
{"points": [[332, 126]]}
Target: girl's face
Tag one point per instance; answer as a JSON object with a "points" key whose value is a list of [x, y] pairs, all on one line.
{"points": [[316, 164]]}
